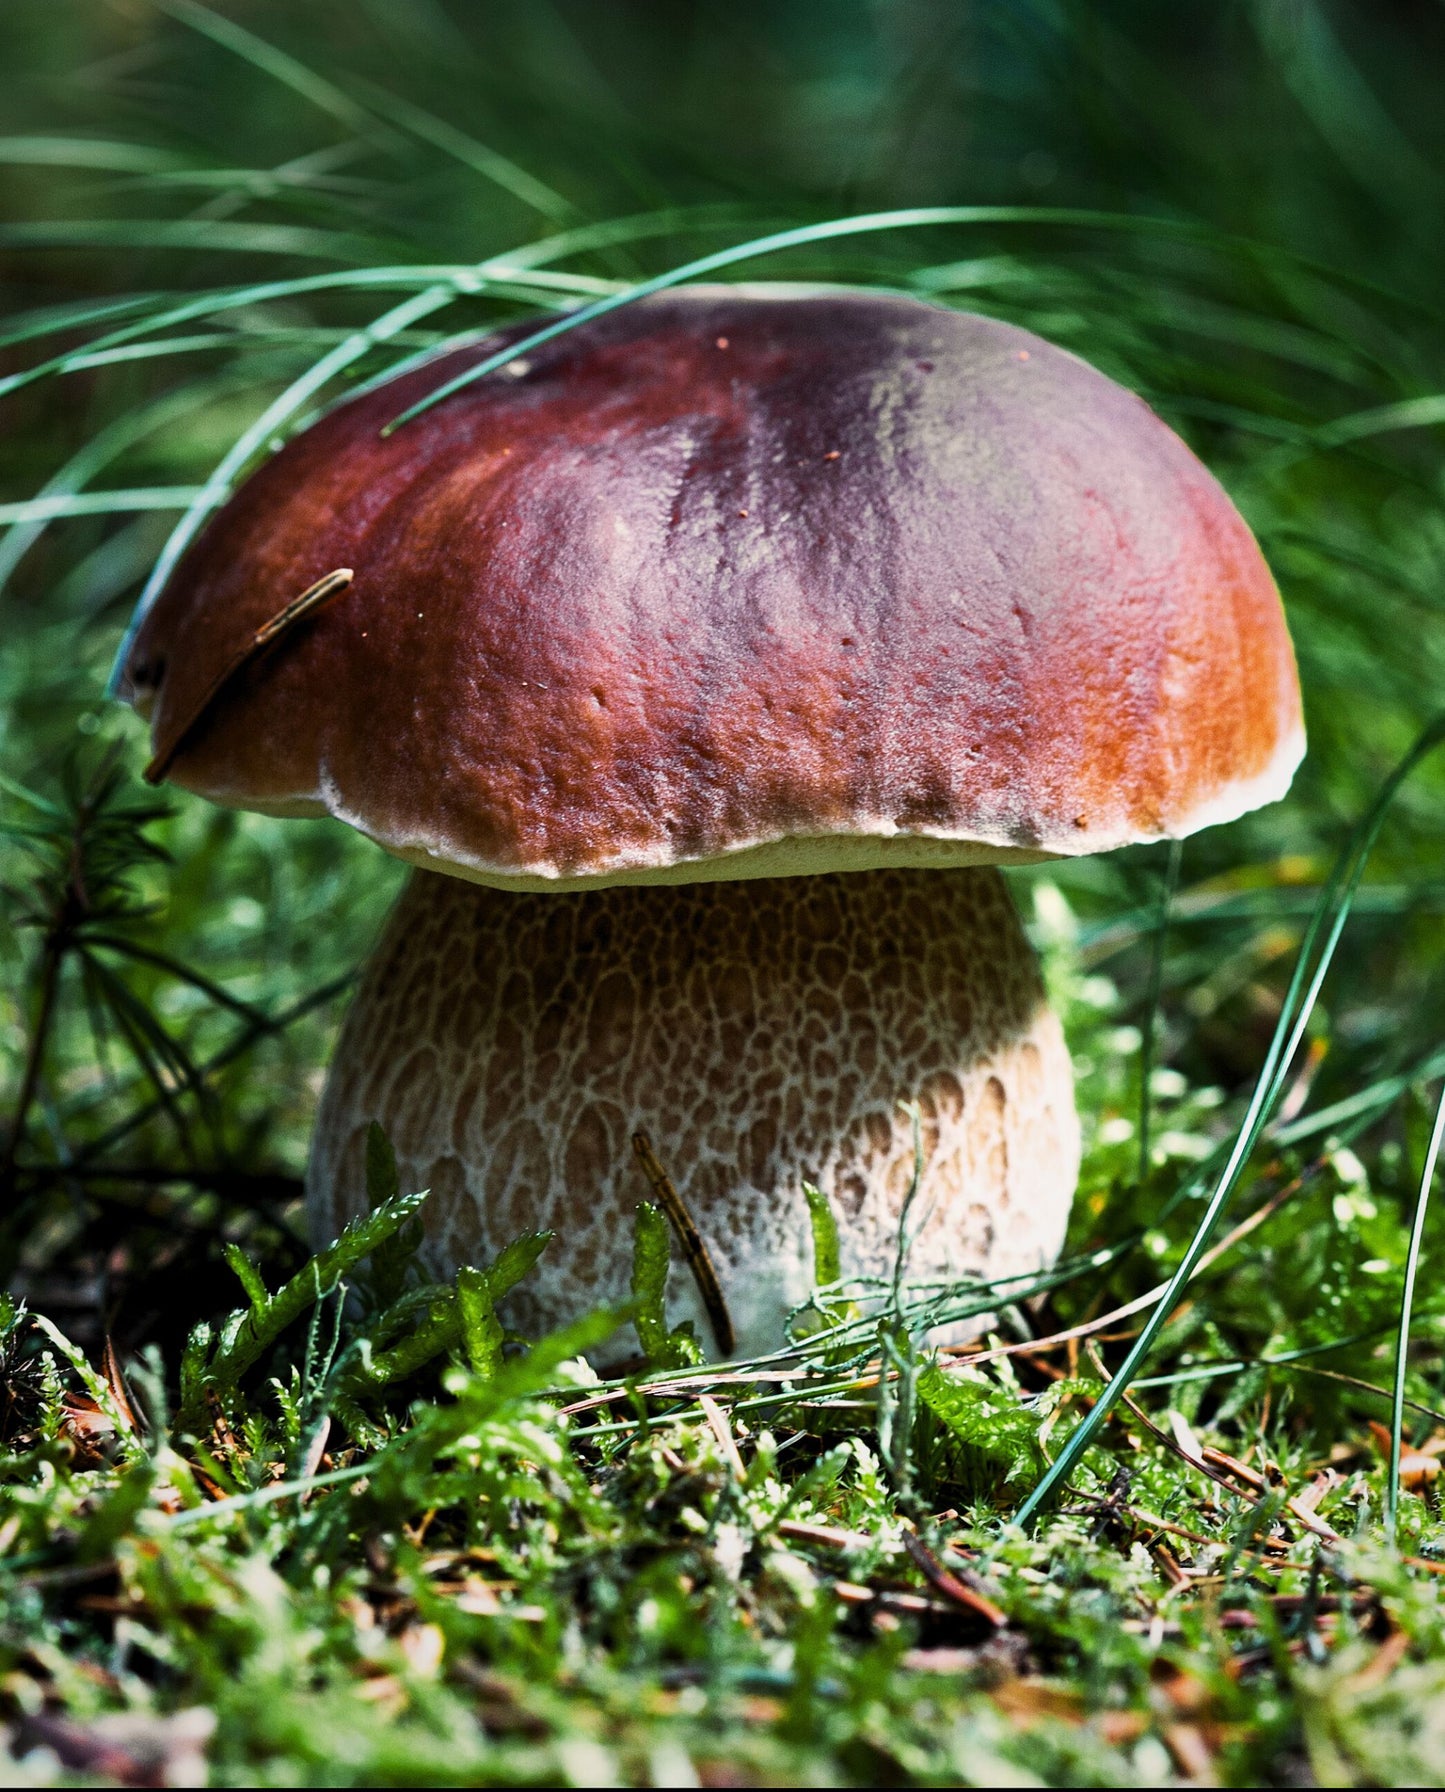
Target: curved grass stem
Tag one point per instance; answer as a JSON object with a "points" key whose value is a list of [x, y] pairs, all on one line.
{"points": [[1168, 884], [1317, 950], [1407, 1296]]}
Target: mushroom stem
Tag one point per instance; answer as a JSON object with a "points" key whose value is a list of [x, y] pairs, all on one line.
{"points": [[762, 1034]]}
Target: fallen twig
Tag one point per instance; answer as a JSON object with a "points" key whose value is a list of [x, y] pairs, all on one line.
{"points": [[950, 1585]]}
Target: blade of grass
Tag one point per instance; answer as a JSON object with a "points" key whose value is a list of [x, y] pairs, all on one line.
{"points": [[89, 152], [50, 320], [797, 237], [1331, 913], [501, 170], [104, 446], [281, 67], [513, 273], [251, 440], [1407, 1295], [1168, 884], [167, 314], [206, 234], [58, 505], [1363, 1106], [1410, 413], [834, 229], [199, 343]]}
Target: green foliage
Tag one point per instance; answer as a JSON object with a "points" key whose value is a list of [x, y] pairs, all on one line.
{"points": [[213, 1367], [996, 1435], [664, 1347], [828, 1307], [465, 1313], [391, 1260], [250, 1279], [481, 1329], [827, 1257]]}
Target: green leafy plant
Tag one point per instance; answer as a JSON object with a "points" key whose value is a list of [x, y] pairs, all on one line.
{"points": [[665, 1347]]}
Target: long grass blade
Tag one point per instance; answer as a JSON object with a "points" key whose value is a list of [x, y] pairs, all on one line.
{"points": [[501, 170], [835, 229], [1407, 1296], [1364, 1106], [199, 342], [695, 270], [1410, 413], [1327, 924], [89, 152], [58, 505], [209, 235], [103, 447], [288, 70], [51, 320], [514, 273], [1168, 884], [495, 276], [276, 415]]}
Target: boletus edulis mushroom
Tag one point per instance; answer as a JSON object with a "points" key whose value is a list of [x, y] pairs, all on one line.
{"points": [[708, 660]]}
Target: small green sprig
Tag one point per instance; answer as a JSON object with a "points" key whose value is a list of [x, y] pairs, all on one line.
{"points": [[665, 1347], [215, 1359]]}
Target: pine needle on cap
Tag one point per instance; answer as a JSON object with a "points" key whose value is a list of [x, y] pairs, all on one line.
{"points": [[312, 599]]}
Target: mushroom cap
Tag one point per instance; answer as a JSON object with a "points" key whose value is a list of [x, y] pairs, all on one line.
{"points": [[737, 582]]}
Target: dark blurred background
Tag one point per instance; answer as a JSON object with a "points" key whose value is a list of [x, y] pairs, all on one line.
{"points": [[1315, 123]]}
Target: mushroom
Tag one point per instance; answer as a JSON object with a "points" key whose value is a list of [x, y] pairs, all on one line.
{"points": [[709, 660]]}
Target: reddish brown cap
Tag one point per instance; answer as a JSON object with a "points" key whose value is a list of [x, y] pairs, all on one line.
{"points": [[737, 582]]}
